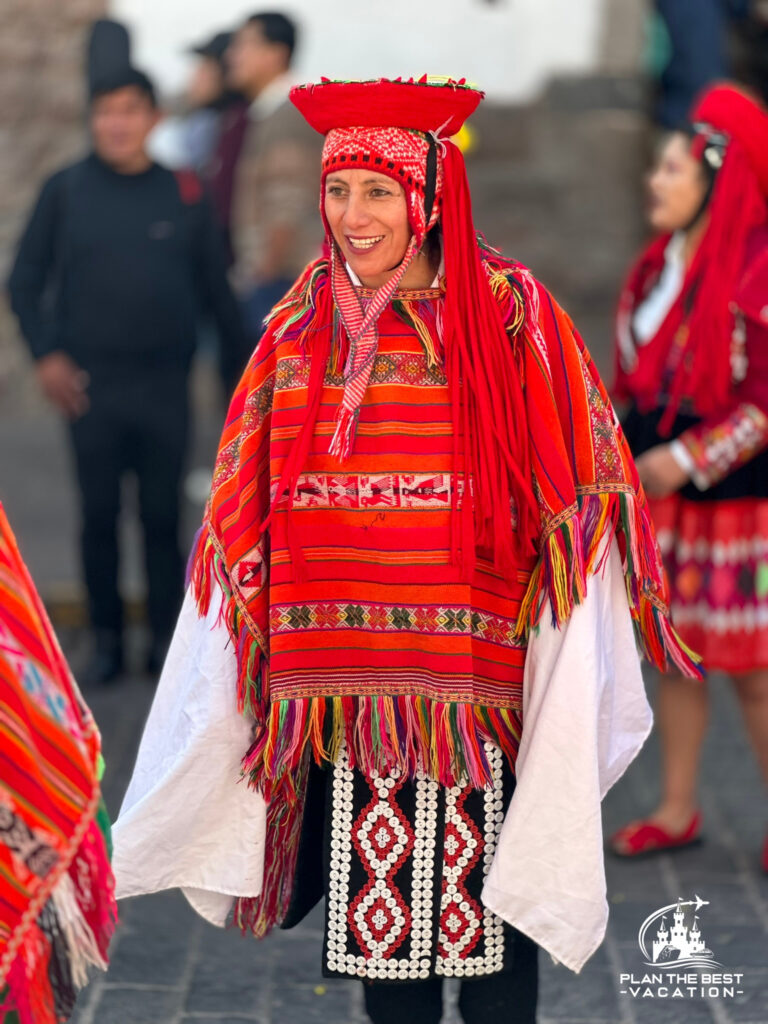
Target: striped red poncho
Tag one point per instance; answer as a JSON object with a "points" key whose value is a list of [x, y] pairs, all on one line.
{"points": [[351, 616]]}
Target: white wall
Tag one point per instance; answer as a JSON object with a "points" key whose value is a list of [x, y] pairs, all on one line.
{"points": [[508, 47]]}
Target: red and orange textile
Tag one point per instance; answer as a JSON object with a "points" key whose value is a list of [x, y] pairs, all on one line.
{"points": [[716, 555], [57, 908], [376, 636], [405, 481]]}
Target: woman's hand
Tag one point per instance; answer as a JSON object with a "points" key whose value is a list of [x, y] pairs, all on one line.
{"points": [[660, 473]]}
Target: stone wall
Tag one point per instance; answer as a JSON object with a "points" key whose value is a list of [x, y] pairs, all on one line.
{"points": [[42, 45], [558, 185]]}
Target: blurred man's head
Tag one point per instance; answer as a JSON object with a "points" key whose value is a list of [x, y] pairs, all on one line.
{"points": [[261, 51], [207, 84], [123, 112]]}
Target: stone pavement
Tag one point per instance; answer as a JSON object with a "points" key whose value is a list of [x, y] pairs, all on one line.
{"points": [[170, 967]]}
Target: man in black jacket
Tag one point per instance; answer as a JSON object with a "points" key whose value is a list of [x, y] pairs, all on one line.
{"points": [[119, 258]]}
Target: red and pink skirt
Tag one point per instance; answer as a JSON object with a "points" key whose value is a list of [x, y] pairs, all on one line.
{"points": [[716, 556]]}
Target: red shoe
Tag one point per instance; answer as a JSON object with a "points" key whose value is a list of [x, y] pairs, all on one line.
{"points": [[643, 837]]}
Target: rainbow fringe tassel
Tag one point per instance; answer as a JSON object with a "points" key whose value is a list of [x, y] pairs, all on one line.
{"points": [[571, 554]]}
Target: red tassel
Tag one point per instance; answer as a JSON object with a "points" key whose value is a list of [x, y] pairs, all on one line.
{"points": [[482, 370]]}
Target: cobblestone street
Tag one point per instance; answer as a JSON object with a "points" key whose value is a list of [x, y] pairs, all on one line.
{"points": [[170, 967]]}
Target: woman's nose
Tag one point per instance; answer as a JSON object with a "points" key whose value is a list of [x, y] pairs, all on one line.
{"points": [[653, 180], [355, 214]]}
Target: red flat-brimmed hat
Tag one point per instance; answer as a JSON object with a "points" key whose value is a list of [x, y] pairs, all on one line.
{"points": [[426, 104]]}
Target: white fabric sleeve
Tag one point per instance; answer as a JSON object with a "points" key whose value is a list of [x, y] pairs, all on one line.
{"points": [[187, 820], [585, 718]]}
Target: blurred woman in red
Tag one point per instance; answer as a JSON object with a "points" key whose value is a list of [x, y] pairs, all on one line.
{"points": [[693, 361]]}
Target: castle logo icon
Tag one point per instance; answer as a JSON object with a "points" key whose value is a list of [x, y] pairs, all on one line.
{"points": [[682, 944]]}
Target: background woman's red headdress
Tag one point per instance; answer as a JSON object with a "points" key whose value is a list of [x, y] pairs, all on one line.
{"points": [[730, 133]]}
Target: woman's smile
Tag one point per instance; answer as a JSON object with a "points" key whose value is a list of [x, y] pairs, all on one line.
{"points": [[363, 244]]}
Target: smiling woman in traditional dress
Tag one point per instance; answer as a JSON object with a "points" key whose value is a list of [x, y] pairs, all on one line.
{"points": [[693, 363], [412, 602]]}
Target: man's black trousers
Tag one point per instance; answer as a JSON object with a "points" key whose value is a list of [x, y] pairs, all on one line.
{"points": [[138, 422]]}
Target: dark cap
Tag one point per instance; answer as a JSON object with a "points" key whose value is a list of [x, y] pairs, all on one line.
{"points": [[123, 77], [215, 47]]}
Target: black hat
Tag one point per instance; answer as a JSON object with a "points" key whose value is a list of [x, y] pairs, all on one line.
{"points": [[121, 77], [215, 47]]}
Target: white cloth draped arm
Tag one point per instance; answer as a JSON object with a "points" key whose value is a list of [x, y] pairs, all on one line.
{"points": [[188, 821], [585, 718]]}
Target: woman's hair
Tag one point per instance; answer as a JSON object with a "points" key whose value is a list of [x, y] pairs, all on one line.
{"points": [[710, 159], [433, 245]]}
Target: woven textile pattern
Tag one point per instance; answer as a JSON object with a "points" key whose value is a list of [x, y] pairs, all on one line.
{"points": [[51, 848], [382, 606], [716, 554]]}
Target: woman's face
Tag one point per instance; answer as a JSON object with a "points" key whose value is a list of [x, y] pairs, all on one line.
{"points": [[676, 186], [368, 216]]}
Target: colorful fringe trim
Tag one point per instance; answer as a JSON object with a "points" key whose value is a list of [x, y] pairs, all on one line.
{"points": [[207, 566], [571, 553], [259, 915], [295, 316], [381, 733], [51, 953], [424, 317]]}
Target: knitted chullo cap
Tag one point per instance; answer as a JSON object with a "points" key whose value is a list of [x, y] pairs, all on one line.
{"points": [[402, 129]]}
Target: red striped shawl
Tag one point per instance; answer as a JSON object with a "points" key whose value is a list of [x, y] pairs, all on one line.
{"points": [[351, 618], [57, 907]]}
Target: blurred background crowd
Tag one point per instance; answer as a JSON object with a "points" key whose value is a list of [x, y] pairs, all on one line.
{"points": [[577, 94]]}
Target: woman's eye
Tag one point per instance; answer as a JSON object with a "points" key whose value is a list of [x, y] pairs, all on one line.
{"points": [[335, 190], [377, 192]]}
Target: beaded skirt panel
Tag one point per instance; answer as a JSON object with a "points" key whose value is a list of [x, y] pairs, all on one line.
{"points": [[406, 861]]}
